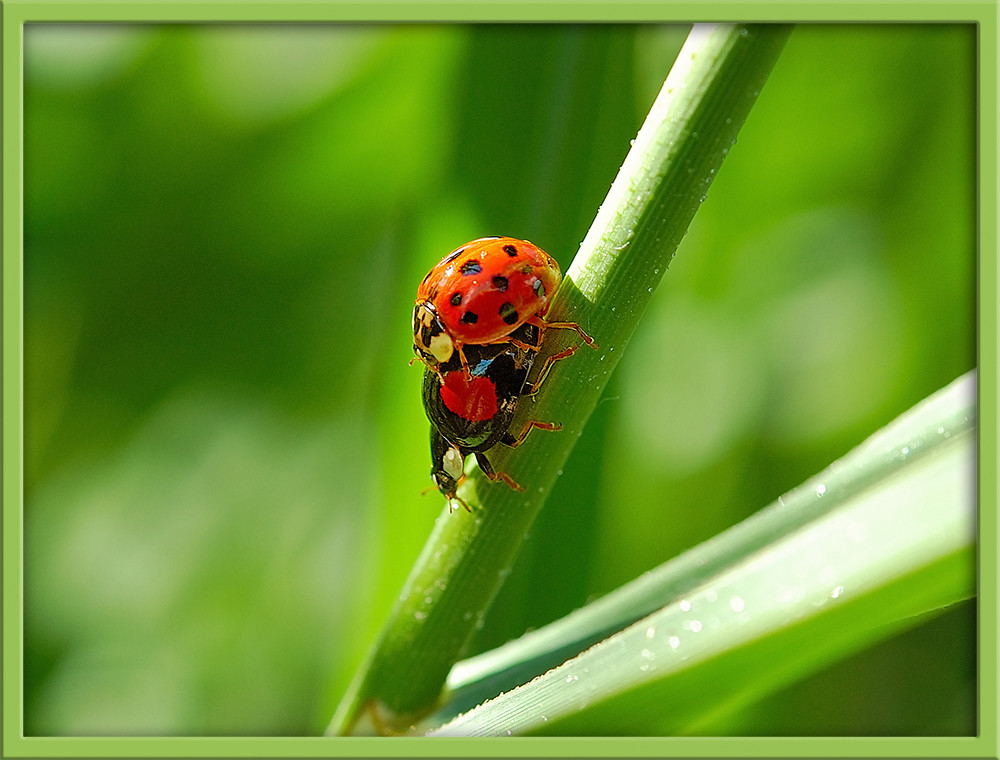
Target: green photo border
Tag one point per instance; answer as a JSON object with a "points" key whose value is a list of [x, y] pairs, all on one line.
{"points": [[15, 14]]}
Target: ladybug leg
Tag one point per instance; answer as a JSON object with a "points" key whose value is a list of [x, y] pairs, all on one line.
{"points": [[465, 364], [516, 440], [521, 344], [451, 496], [542, 324], [488, 471], [531, 387]]}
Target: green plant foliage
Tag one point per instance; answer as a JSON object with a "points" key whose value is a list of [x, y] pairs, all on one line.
{"points": [[685, 137], [881, 538], [224, 447]]}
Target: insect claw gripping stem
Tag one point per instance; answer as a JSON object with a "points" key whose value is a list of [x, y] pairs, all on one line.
{"points": [[543, 324], [508, 480], [489, 472], [515, 441], [533, 386], [579, 331]]}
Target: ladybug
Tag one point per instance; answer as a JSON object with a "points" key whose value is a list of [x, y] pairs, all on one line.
{"points": [[480, 294], [471, 413]]}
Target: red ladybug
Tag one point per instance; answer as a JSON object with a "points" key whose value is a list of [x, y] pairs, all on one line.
{"points": [[471, 413], [481, 293]]}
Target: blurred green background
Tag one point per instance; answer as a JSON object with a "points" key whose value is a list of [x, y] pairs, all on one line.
{"points": [[224, 443]]}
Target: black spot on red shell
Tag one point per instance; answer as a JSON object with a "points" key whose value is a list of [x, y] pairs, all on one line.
{"points": [[471, 267], [508, 313], [470, 318], [500, 283], [456, 299], [510, 250]]}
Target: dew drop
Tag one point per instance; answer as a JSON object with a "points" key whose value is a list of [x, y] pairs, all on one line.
{"points": [[736, 604]]}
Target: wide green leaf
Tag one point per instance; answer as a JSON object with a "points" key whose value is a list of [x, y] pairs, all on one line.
{"points": [[885, 535]]}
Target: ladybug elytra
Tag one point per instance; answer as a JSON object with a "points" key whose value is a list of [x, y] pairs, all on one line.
{"points": [[480, 294]]}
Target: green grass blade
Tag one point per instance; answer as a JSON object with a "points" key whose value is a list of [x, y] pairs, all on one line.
{"points": [[883, 536], [685, 138]]}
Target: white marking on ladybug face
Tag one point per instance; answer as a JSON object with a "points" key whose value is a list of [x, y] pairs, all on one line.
{"points": [[453, 463], [429, 336], [423, 317], [441, 347]]}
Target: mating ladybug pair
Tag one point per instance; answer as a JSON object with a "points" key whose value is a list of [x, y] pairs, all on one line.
{"points": [[478, 326]]}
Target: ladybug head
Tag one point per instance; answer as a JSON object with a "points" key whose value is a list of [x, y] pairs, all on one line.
{"points": [[431, 341], [448, 468], [448, 471]]}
